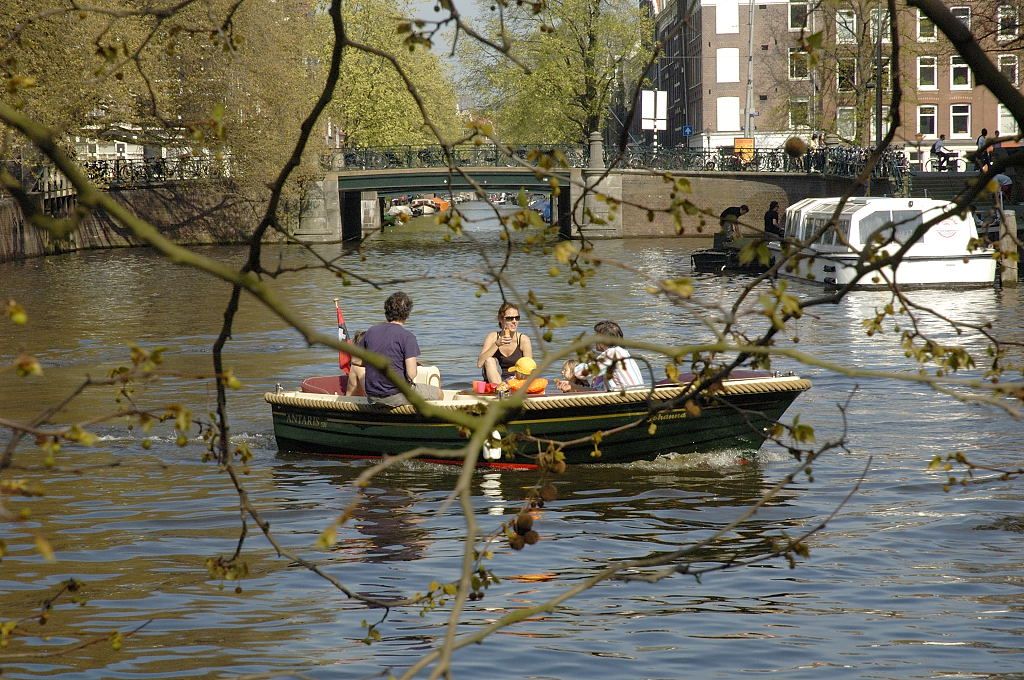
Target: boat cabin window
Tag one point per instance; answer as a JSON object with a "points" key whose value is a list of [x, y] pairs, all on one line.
{"points": [[906, 222], [872, 222]]}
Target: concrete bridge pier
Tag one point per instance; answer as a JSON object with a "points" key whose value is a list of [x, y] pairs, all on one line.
{"points": [[360, 213], [595, 216]]}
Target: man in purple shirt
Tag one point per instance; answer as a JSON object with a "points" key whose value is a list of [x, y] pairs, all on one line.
{"points": [[397, 343]]}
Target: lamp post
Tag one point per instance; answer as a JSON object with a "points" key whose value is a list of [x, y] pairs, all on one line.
{"points": [[878, 78]]}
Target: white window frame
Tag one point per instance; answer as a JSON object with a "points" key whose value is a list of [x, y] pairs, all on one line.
{"points": [[886, 29], [789, 113], [935, 72], [1013, 62], [1007, 123], [958, 64], [843, 27], [795, 54], [962, 111], [841, 113], [1007, 11], [794, 3], [962, 9], [934, 115], [922, 18]]}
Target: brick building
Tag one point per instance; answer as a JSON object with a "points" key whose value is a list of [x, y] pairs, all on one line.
{"points": [[777, 68]]}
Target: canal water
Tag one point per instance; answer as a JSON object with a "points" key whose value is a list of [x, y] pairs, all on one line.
{"points": [[907, 582]]}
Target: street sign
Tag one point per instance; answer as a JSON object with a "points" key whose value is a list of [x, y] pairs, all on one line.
{"points": [[687, 131], [653, 109]]}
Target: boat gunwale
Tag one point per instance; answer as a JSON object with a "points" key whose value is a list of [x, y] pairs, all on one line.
{"points": [[333, 402]]}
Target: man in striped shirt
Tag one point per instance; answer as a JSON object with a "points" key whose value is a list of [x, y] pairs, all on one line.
{"points": [[616, 370]]}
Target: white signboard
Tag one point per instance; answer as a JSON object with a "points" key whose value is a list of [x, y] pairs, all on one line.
{"points": [[653, 109]]}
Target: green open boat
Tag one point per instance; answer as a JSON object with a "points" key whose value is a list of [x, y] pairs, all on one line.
{"points": [[736, 417]]}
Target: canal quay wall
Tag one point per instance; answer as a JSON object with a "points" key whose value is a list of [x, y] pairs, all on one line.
{"points": [[712, 192], [193, 213]]}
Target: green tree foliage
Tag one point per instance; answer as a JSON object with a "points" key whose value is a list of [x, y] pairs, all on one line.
{"points": [[372, 105], [578, 53]]}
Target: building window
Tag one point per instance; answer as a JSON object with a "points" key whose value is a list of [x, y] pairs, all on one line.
{"points": [[963, 14], [1008, 67], [1007, 123], [797, 15], [925, 28], [846, 76], [120, 149], [1007, 22], [727, 17], [960, 120], [926, 79], [846, 123], [799, 113], [926, 114], [883, 16], [799, 64], [728, 114], [846, 27], [959, 74], [728, 59], [886, 120]]}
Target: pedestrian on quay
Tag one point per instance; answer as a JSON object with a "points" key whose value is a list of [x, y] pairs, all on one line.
{"points": [[981, 158]]}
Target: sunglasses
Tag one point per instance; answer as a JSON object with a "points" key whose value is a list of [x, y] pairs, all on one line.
{"points": [[512, 318]]}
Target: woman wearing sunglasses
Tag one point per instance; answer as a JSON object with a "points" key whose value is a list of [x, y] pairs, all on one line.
{"points": [[504, 347]]}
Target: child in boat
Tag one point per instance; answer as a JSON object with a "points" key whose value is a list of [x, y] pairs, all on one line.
{"points": [[522, 370], [616, 369], [569, 381]]}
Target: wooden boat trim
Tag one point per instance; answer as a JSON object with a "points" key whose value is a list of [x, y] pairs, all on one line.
{"points": [[463, 402]]}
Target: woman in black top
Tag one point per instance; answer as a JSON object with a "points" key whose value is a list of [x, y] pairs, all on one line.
{"points": [[771, 221], [504, 347]]}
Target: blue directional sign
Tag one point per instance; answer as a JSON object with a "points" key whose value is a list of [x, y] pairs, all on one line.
{"points": [[687, 131]]}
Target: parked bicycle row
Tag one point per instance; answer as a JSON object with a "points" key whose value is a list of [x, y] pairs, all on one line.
{"points": [[125, 173]]}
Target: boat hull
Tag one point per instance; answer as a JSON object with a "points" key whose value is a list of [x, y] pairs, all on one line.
{"points": [[737, 418], [723, 261], [974, 270]]}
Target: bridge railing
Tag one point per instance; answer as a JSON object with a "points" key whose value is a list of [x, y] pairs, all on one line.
{"points": [[463, 155], [122, 173]]}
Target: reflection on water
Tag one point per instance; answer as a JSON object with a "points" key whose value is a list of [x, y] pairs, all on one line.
{"points": [[907, 581]]}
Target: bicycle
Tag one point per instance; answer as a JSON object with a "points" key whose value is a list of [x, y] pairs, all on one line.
{"points": [[951, 163]]}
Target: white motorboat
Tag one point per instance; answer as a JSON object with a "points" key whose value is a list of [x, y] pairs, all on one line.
{"points": [[941, 258]]}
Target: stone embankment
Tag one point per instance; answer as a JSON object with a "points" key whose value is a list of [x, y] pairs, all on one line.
{"points": [[190, 214]]}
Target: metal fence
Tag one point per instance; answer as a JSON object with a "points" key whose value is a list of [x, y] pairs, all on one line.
{"points": [[462, 155], [123, 173], [839, 161]]}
